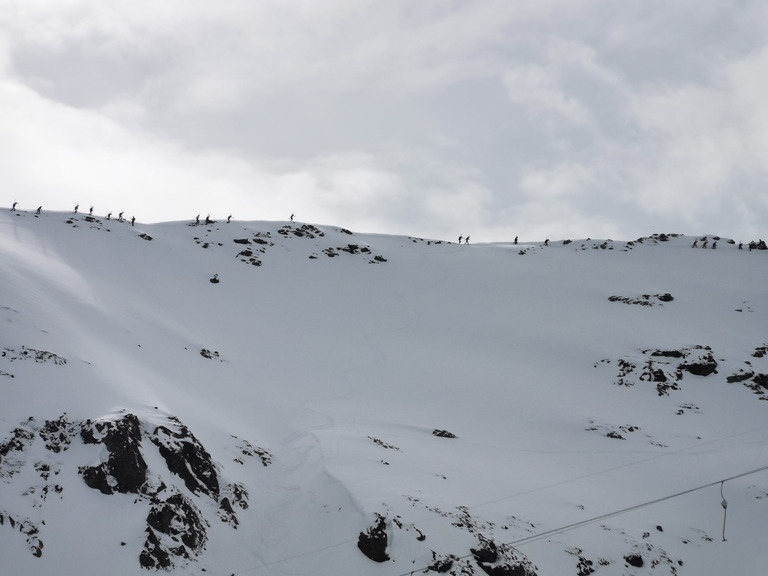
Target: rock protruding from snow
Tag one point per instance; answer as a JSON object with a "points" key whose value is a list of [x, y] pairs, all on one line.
{"points": [[187, 458], [125, 470], [373, 542], [665, 367], [643, 299], [175, 527], [501, 559]]}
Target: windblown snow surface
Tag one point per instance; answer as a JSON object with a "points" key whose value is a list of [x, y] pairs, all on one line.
{"points": [[462, 409]]}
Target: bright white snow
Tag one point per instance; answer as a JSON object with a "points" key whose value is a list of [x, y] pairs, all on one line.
{"points": [[341, 368]]}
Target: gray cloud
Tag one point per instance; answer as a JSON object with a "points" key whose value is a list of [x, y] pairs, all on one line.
{"points": [[494, 118]]}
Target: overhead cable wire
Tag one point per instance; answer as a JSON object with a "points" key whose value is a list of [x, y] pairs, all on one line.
{"points": [[538, 489], [573, 526]]}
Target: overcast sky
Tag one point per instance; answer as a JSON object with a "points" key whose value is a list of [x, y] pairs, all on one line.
{"points": [[559, 118]]}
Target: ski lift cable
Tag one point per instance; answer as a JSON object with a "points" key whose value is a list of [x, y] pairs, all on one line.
{"points": [[632, 508], [528, 539], [600, 472], [573, 526], [561, 529]]}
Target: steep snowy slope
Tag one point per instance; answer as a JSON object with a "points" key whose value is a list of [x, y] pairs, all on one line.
{"points": [[279, 398]]}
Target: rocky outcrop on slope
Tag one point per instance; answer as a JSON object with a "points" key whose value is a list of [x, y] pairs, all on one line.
{"points": [[26, 353], [373, 542], [666, 369], [175, 529], [183, 497], [484, 552], [125, 470], [501, 559], [186, 457], [643, 299]]}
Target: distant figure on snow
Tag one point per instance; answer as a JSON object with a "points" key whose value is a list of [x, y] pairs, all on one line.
{"points": [[76, 207], [208, 219], [515, 242], [466, 240], [133, 219], [704, 245], [741, 245], [460, 239], [109, 215], [292, 215], [120, 217], [714, 245], [229, 218], [546, 242], [695, 243], [39, 208], [13, 208], [90, 212], [197, 220]]}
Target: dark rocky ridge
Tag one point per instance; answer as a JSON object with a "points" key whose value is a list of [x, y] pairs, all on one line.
{"points": [[176, 526]]}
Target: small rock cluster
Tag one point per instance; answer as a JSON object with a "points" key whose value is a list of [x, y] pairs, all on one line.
{"points": [[642, 300], [665, 368], [39, 356]]}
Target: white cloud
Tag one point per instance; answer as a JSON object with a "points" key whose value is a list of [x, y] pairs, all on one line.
{"points": [[563, 181], [539, 88], [705, 145], [426, 118]]}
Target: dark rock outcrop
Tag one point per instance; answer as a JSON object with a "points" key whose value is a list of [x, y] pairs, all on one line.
{"points": [[668, 353], [57, 434], [233, 496], [741, 377], [635, 560], [705, 366], [154, 555], [209, 354], [761, 380], [643, 300], [187, 458], [125, 470], [500, 559], [373, 543], [175, 528], [441, 564]]}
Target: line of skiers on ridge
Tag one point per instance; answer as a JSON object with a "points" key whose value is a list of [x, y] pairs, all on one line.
{"points": [[466, 240], [229, 219], [759, 245], [208, 219], [77, 208], [133, 218], [109, 215]]}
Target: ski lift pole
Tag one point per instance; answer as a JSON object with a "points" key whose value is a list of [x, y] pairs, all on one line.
{"points": [[724, 504]]}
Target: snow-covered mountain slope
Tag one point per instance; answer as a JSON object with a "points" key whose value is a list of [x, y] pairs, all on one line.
{"points": [[284, 398]]}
